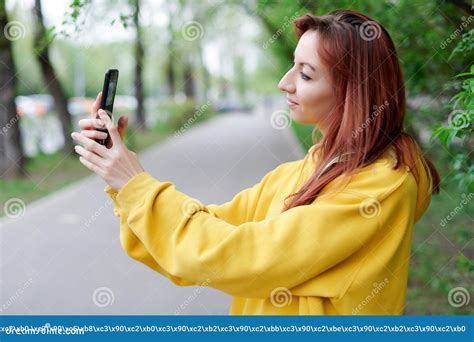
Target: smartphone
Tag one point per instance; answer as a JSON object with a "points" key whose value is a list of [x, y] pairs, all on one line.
{"points": [[108, 96]]}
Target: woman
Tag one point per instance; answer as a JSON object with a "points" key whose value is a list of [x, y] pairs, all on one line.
{"points": [[328, 234]]}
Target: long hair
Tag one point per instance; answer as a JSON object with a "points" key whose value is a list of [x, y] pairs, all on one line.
{"points": [[370, 96]]}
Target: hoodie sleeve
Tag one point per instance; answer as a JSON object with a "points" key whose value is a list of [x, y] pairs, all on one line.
{"points": [[134, 247], [192, 245], [236, 211]]}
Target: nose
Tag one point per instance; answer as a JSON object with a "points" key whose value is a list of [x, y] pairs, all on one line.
{"points": [[286, 83]]}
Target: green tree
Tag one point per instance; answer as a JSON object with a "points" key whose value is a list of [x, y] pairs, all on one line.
{"points": [[43, 39], [12, 159]]}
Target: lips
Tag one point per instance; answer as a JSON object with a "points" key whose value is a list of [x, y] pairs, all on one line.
{"points": [[291, 102]]}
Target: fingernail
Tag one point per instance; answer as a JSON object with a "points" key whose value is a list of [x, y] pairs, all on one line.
{"points": [[73, 134]]}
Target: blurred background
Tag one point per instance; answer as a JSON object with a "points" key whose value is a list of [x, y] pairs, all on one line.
{"points": [[184, 63]]}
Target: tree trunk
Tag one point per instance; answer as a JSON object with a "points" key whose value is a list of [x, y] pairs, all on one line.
{"points": [[49, 75], [12, 160], [170, 73], [206, 79], [189, 90], [139, 52], [464, 5]]}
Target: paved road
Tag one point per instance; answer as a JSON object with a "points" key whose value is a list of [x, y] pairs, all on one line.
{"points": [[63, 255]]}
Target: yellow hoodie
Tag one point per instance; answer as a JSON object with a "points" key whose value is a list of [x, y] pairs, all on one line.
{"points": [[346, 253]]}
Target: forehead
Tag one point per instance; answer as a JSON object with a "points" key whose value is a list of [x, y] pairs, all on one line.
{"points": [[306, 48]]}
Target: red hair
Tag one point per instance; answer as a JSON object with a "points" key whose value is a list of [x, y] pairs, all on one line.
{"points": [[367, 78]]}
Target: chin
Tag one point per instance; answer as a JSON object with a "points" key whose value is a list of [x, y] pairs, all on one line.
{"points": [[298, 117]]}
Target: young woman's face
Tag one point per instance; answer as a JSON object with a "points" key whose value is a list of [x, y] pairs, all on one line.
{"points": [[308, 84]]}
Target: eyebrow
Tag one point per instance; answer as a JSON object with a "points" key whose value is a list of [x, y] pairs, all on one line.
{"points": [[305, 63]]}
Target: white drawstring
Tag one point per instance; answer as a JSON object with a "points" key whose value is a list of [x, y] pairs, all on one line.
{"points": [[334, 160]]}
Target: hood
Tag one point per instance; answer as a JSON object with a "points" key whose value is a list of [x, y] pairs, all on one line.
{"points": [[424, 183]]}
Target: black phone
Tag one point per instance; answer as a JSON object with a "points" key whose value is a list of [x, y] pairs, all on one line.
{"points": [[108, 97]]}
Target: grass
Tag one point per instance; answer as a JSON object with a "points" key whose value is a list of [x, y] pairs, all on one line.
{"points": [[45, 174], [441, 255], [49, 173]]}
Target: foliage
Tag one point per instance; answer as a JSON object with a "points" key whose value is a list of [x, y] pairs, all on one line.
{"points": [[456, 135]]}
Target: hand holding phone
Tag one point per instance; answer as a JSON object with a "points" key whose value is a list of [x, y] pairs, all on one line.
{"points": [[88, 126], [107, 101]]}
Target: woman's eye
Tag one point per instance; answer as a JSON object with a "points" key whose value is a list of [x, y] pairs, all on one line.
{"points": [[304, 76]]}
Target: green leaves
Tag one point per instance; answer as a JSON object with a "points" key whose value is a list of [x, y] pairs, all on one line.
{"points": [[125, 19], [465, 45], [458, 131], [444, 134]]}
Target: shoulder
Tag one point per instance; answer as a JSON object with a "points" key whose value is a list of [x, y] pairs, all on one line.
{"points": [[378, 180], [285, 170]]}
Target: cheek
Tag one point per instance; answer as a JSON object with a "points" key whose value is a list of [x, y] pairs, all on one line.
{"points": [[317, 99]]}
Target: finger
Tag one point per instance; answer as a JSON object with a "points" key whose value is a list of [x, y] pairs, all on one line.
{"points": [[88, 155], [93, 134], [90, 145], [94, 168], [96, 105], [91, 124], [111, 127]]}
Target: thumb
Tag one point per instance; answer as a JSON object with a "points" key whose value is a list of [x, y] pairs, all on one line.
{"points": [[122, 125], [111, 128]]}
